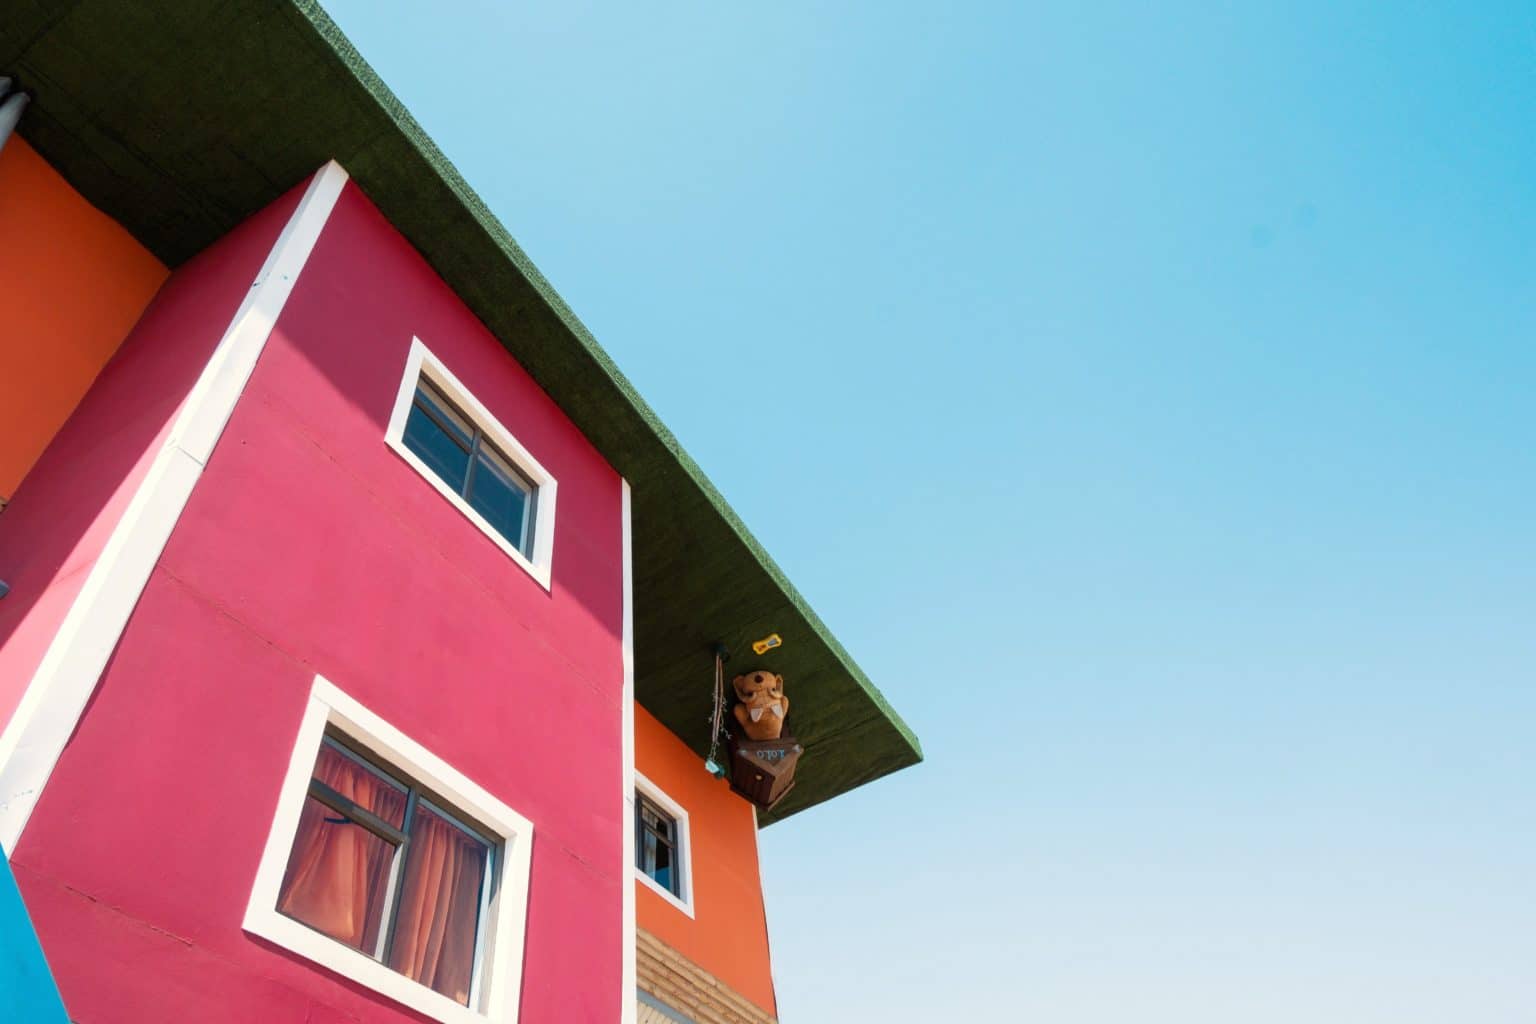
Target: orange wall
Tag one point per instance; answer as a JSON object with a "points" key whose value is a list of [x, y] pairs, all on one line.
{"points": [[728, 935], [72, 283]]}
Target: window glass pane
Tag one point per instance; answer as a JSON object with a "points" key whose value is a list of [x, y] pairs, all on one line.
{"points": [[338, 874], [656, 820], [441, 451], [443, 410], [648, 851], [357, 780], [657, 856], [664, 872], [434, 937], [501, 495]]}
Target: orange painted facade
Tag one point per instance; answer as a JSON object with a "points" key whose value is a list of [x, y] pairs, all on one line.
{"points": [[74, 283], [728, 934]]}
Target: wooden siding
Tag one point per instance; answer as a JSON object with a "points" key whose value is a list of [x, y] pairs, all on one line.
{"points": [[680, 983]]}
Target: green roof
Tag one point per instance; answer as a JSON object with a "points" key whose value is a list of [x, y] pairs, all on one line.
{"points": [[181, 120]]}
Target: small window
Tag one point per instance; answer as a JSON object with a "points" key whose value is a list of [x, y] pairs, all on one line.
{"points": [[657, 846], [663, 857], [377, 865], [459, 453], [443, 432]]}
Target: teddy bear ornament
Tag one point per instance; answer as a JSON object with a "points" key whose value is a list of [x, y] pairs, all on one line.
{"points": [[763, 753], [761, 706]]}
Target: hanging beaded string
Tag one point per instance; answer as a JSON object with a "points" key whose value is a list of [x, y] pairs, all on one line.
{"points": [[717, 721]]}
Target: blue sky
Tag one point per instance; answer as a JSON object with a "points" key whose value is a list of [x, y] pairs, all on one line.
{"points": [[1144, 395]]}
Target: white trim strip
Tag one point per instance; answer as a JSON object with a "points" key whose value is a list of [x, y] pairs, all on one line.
{"points": [[59, 690], [629, 1009]]}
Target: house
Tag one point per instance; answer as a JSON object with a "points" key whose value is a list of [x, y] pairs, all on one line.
{"points": [[363, 626]]}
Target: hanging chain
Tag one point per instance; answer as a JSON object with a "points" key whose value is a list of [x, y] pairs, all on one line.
{"points": [[717, 724]]}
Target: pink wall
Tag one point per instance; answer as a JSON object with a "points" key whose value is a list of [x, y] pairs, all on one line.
{"points": [[54, 529], [309, 546]]}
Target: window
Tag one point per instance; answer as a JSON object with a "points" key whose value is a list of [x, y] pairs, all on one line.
{"points": [[663, 859], [377, 865], [656, 845], [392, 869], [448, 437], [457, 451]]}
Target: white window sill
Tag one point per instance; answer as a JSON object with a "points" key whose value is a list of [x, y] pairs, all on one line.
{"points": [[540, 573], [356, 967], [665, 893]]}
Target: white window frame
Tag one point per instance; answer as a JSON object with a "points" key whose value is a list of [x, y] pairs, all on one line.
{"points": [[422, 363], [684, 901], [505, 920]]}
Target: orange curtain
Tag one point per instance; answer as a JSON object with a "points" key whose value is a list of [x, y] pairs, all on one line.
{"points": [[434, 939], [338, 872]]}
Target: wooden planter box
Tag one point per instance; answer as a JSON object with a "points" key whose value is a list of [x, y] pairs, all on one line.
{"points": [[763, 771]]}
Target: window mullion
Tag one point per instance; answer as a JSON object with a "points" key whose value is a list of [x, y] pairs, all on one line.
{"points": [[525, 534], [639, 834], [355, 812], [399, 882], [477, 972], [449, 430], [474, 461]]}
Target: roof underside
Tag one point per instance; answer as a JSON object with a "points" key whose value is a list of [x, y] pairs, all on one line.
{"points": [[181, 120]]}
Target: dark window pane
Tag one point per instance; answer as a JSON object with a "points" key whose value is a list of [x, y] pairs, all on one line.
{"points": [[443, 411], [439, 913], [663, 873], [501, 496], [439, 449]]}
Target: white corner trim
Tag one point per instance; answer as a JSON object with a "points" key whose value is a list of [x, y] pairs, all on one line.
{"points": [[683, 902], [422, 363], [762, 893], [508, 912], [629, 1008], [56, 696]]}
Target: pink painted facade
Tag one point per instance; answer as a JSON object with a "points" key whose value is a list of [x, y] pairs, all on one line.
{"points": [[309, 546]]}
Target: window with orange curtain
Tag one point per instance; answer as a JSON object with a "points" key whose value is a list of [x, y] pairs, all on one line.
{"points": [[380, 866]]}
